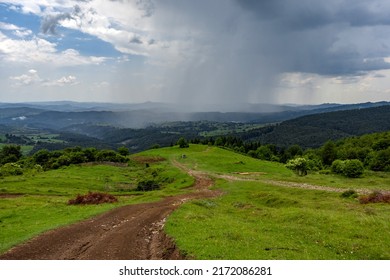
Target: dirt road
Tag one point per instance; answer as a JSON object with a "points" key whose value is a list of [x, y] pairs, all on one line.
{"points": [[130, 232]]}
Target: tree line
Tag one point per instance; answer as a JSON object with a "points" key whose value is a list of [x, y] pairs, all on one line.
{"points": [[12, 161], [348, 156], [370, 151]]}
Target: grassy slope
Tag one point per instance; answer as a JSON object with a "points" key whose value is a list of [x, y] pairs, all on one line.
{"points": [[43, 204], [256, 220], [252, 220]]}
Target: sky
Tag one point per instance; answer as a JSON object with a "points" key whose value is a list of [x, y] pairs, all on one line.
{"points": [[195, 52]]}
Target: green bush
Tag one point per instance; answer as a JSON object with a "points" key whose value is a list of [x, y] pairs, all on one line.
{"points": [[338, 166], [182, 143], [380, 161], [314, 164], [353, 168], [10, 169], [123, 151], [298, 165], [147, 185], [349, 193]]}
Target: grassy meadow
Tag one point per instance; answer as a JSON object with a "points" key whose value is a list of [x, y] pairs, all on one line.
{"points": [[34, 203], [253, 219]]}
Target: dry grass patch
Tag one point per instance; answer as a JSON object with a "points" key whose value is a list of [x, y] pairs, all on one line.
{"points": [[93, 198]]}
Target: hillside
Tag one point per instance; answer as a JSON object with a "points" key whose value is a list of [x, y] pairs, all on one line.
{"points": [[59, 115], [263, 210], [314, 130], [36, 128]]}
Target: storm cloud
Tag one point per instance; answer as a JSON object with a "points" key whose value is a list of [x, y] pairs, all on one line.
{"points": [[325, 37], [230, 51], [241, 48]]}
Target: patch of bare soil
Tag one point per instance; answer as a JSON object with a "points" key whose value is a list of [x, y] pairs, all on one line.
{"points": [[148, 159], [131, 232], [10, 195]]}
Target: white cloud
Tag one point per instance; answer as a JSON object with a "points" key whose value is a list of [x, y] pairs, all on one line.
{"points": [[38, 50], [17, 31], [8, 26], [66, 80], [32, 78], [124, 24]]}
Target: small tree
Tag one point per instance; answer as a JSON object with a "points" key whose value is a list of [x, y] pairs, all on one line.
{"points": [[264, 153], [328, 153], [123, 151], [182, 143], [10, 153], [298, 165]]}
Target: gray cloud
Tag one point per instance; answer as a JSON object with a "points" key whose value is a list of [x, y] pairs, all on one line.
{"points": [[236, 50], [50, 22], [135, 40], [241, 47], [146, 6], [323, 37]]}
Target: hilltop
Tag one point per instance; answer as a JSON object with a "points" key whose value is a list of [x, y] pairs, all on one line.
{"points": [[265, 211]]}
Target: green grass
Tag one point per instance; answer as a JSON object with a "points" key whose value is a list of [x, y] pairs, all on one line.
{"points": [[220, 161], [43, 203], [256, 220], [370, 180], [252, 220], [24, 217]]}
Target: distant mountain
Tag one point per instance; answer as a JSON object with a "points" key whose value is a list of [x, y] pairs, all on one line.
{"points": [[58, 115], [141, 128], [313, 130]]}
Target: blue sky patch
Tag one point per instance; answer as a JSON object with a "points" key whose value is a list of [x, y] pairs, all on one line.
{"points": [[28, 21], [87, 45]]}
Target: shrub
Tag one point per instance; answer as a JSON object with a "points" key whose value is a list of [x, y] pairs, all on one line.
{"points": [[349, 193], [264, 153], [337, 166], [353, 168], [182, 143], [147, 185], [380, 161], [375, 197], [325, 172], [123, 151], [93, 198], [109, 155], [298, 165], [10, 153], [314, 164], [11, 169]]}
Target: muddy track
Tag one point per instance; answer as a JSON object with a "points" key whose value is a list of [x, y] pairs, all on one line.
{"points": [[133, 232]]}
